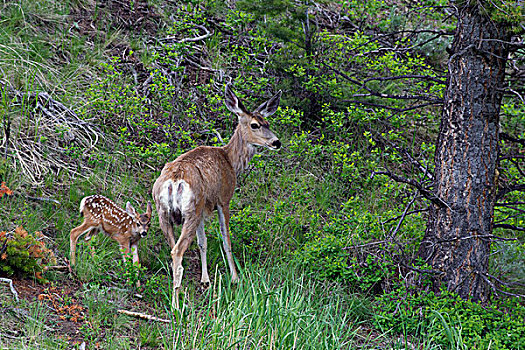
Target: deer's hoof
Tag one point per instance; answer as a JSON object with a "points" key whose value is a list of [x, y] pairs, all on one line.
{"points": [[205, 285]]}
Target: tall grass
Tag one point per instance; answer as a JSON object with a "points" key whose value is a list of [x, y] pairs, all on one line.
{"points": [[272, 307]]}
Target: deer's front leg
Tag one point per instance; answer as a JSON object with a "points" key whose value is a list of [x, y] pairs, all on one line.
{"points": [[224, 220], [135, 252]]}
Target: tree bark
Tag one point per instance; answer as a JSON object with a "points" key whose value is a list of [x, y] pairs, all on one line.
{"points": [[458, 236]]}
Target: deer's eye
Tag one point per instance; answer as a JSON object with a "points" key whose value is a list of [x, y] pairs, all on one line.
{"points": [[255, 126]]}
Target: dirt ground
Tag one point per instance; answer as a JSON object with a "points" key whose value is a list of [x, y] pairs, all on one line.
{"points": [[67, 315]]}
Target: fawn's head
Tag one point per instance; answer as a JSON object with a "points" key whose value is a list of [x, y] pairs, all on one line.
{"points": [[141, 222], [255, 128]]}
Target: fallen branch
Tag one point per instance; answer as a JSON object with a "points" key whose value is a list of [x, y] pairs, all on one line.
{"points": [[38, 199], [56, 267], [143, 316], [197, 38], [11, 286]]}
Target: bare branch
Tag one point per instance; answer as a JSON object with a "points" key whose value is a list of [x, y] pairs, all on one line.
{"points": [[395, 109], [11, 287], [424, 191], [194, 39], [405, 154], [403, 216], [510, 227], [409, 213], [507, 137], [379, 94], [506, 190]]}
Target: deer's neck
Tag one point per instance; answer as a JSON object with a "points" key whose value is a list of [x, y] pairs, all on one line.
{"points": [[239, 151]]}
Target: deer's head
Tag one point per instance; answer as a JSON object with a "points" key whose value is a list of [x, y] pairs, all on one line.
{"points": [[141, 222], [254, 126]]}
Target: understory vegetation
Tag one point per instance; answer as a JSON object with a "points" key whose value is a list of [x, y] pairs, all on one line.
{"points": [[96, 96]]}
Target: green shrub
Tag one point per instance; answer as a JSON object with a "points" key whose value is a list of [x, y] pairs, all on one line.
{"points": [[24, 253], [246, 231], [129, 271], [329, 251], [328, 258], [440, 317]]}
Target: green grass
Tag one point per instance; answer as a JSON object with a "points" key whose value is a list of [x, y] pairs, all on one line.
{"points": [[272, 307]]}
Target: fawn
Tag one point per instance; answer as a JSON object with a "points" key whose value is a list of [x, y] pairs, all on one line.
{"points": [[124, 226]]}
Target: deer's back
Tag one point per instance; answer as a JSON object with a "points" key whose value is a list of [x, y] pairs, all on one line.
{"points": [[104, 213], [208, 173]]}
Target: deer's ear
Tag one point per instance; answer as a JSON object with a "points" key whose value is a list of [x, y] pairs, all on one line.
{"points": [[130, 210], [232, 101], [149, 210], [270, 107]]}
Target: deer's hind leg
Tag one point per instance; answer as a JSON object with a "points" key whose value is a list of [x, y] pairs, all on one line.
{"points": [[187, 235], [166, 225], [73, 238]]}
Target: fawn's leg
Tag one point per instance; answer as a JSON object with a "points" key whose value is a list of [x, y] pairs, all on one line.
{"points": [[73, 238]]}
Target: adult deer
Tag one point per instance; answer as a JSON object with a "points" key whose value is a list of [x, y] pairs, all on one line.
{"points": [[125, 227], [203, 179]]}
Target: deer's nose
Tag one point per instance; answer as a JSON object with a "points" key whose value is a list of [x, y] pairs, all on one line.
{"points": [[276, 144]]}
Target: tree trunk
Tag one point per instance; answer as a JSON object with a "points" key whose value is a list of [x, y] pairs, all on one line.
{"points": [[458, 236]]}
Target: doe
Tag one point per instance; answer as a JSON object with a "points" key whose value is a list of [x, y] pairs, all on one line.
{"points": [[202, 180], [102, 214]]}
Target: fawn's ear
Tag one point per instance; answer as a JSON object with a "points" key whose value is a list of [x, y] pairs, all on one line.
{"points": [[130, 210], [233, 103], [149, 210], [270, 107]]}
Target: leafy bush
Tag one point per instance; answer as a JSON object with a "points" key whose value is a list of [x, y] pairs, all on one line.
{"points": [[328, 258], [24, 253], [330, 255], [129, 271], [270, 233], [497, 326]]}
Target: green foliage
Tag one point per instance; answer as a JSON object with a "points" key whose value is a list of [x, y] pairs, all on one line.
{"points": [[511, 12], [130, 272], [24, 253], [449, 320], [285, 18], [327, 253], [156, 287], [120, 109], [247, 231]]}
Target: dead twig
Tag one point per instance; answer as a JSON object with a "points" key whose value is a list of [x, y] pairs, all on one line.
{"points": [[143, 316], [11, 286]]}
